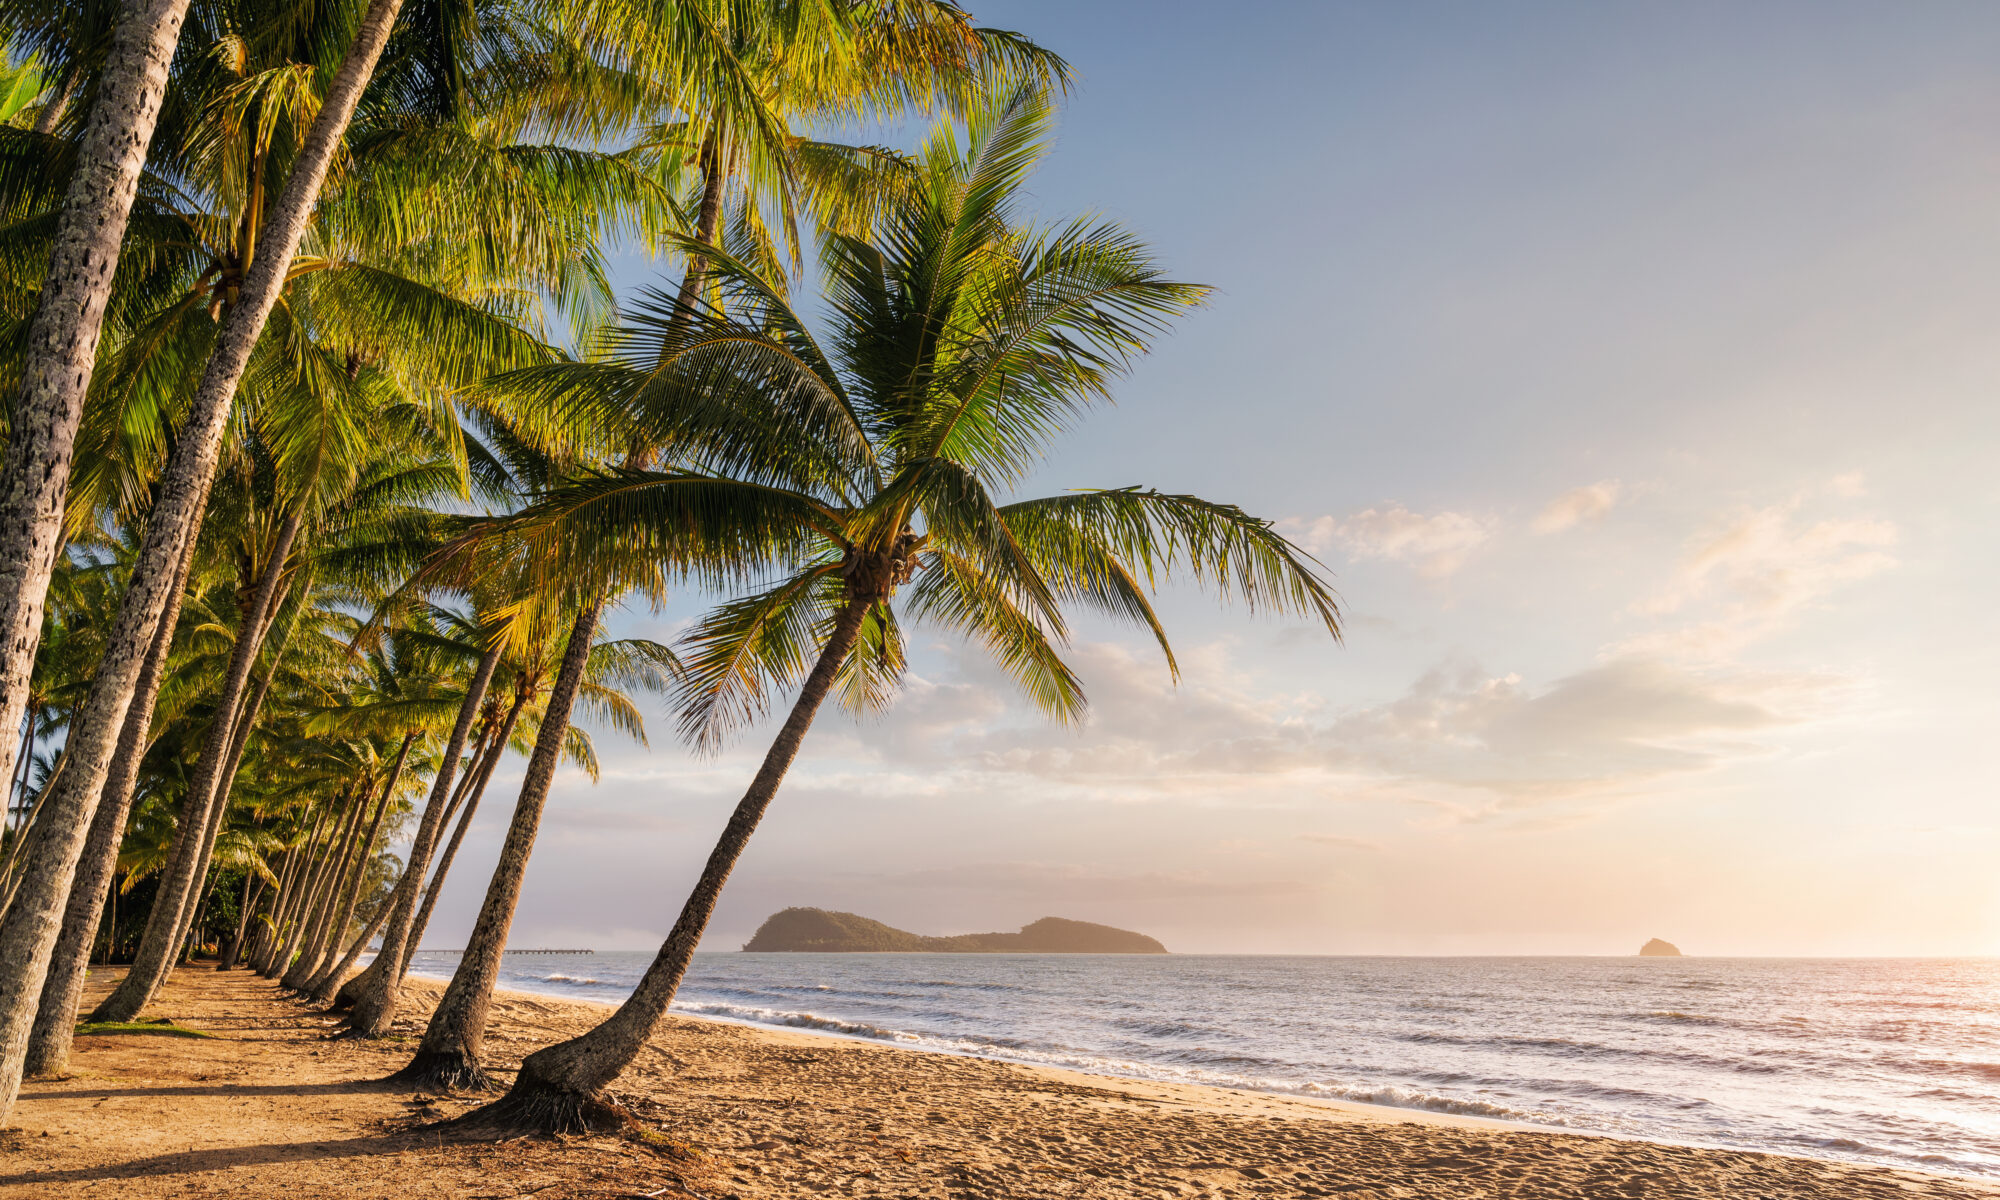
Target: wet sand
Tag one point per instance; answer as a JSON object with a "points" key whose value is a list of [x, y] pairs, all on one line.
{"points": [[275, 1106]]}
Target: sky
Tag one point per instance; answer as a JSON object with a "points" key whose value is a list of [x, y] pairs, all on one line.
{"points": [[1632, 370]]}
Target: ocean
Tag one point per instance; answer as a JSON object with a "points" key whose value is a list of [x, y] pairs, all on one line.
{"points": [[1887, 1061]]}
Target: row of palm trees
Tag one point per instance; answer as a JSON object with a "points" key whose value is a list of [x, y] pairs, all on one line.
{"points": [[332, 453]]}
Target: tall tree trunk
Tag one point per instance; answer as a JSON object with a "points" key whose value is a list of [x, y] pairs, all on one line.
{"points": [[344, 997], [493, 756], [273, 962], [449, 1054], [318, 979], [305, 920], [62, 341], [62, 990], [17, 787], [28, 932], [322, 991], [374, 1004], [313, 935], [178, 893], [239, 740], [54, 107], [707, 219], [253, 887], [260, 929], [560, 1087], [17, 849]]}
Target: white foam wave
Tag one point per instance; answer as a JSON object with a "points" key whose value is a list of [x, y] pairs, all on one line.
{"points": [[1393, 1097]]}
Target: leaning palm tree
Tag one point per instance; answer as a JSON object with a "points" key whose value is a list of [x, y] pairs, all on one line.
{"points": [[62, 351], [28, 933], [963, 343]]}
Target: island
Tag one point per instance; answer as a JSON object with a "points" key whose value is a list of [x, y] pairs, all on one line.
{"points": [[1659, 949], [815, 930]]}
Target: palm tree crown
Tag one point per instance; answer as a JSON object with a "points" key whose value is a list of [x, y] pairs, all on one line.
{"points": [[844, 468]]}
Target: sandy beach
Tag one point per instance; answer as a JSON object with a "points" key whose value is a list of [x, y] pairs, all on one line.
{"points": [[275, 1105]]}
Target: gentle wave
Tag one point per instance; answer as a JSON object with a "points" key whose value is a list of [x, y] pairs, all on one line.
{"points": [[1881, 1061]]}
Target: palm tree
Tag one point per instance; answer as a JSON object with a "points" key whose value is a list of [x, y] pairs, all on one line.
{"points": [[538, 214], [740, 84], [28, 933], [62, 350], [963, 343], [593, 674]]}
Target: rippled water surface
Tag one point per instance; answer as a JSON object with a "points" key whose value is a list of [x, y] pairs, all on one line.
{"points": [[1892, 1061]]}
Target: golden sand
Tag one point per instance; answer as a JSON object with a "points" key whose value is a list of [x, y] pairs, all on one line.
{"points": [[275, 1106]]}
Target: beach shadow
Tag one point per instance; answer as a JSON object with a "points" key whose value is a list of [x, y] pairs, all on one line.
{"points": [[218, 1159], [227, 1089]]}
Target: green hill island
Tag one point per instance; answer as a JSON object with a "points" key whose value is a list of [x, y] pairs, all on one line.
{"points": [[815, 930]]}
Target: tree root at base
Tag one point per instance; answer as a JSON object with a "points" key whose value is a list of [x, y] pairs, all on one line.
{"points": [[444, 1072], [530, 1108]]}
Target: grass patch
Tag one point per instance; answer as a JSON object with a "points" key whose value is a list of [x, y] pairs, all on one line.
{"points": [[673, 1147], [160, 1028]]}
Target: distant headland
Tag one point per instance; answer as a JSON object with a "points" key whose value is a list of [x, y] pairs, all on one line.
{"points": [[1659, 949], [815, 930]]}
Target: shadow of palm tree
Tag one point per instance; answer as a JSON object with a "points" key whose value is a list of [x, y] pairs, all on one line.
{"points": [[221, 1089], [216, 1159]]}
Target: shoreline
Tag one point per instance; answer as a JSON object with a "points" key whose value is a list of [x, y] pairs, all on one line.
{"points": [[1358, 1109], [277, 1103], [1190, 1092]]}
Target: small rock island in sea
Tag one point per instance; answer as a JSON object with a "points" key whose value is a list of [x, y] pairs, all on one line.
{"points": [[815, 930], [1659, 949]]}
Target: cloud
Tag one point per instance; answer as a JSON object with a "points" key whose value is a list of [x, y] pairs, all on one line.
{"points": [[1755, 572], [1484, 742], [1435, 545], [1340, 841], [1601, 730], [1072, 883], [1576, 506]]}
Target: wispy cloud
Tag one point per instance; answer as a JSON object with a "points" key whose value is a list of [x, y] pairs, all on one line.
{"points": [[1753, 573], [1435, 545], [1341, 841], [1603, 729], [1577, 506]]}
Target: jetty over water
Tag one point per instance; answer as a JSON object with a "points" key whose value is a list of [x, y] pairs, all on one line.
{"points": [[518, 952]]}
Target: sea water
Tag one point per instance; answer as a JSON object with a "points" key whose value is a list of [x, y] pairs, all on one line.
{"points": [[1891, 1061]]}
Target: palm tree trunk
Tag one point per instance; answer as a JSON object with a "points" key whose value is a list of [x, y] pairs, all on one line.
{"points": [[281, 935], [345, 997], [56, 105], [239, 740], [493, 756], [313, 934], [305, 922], [17, 850], [318, 979], [323, 991], [17, 787], [560, 1087], [374, 1003], [192, 942], [253, 888], [274, 902], [707, 219], [62, 991], [62, 342], [178, 895], [28, 932], [449, 1054]]}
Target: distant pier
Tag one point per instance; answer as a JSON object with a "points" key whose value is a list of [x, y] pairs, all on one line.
{"points": [[518, 952]]}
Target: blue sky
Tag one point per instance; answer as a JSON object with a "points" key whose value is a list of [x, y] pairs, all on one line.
{"points": [[1633, 370]]}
